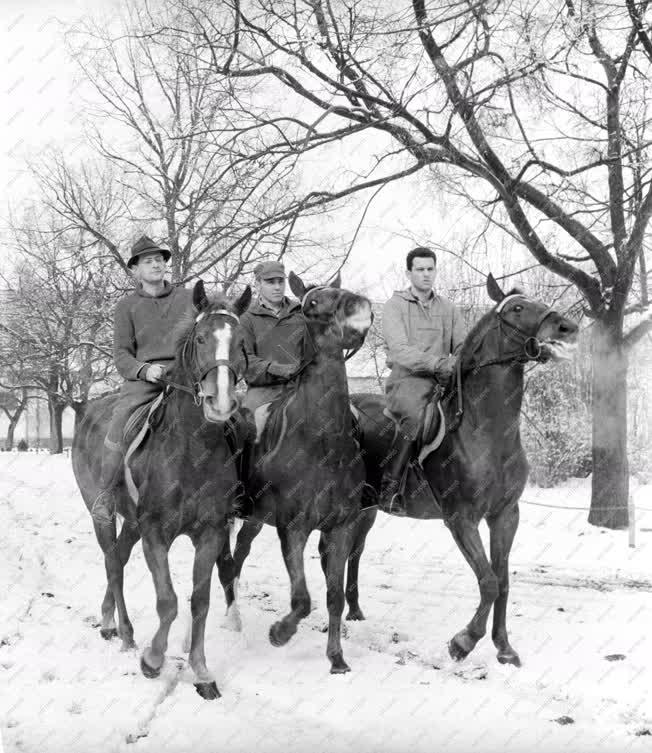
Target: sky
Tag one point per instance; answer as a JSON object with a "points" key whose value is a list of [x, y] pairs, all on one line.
{"points": [[41, 105]]}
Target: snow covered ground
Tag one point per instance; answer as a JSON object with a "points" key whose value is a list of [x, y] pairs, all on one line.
{"points": [[580, 616]]}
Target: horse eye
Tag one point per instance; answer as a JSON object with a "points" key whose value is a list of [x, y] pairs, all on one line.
{"points": [[313, 303], [517, 309], [200, 339]]}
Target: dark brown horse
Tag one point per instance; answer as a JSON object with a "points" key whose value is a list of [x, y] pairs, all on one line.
{"points": [[313, 478], [183, 481], [479, 471]]}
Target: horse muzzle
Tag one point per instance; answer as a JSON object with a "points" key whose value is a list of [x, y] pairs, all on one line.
{"points": [[214, 414]]}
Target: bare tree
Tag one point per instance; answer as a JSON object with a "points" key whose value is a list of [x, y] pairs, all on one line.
{"points": [[540, 115], [60, 329], [171, 149]]}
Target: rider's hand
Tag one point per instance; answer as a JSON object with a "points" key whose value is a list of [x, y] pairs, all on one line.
{"points": [[154, 372], [282, 370], [445, 368]]}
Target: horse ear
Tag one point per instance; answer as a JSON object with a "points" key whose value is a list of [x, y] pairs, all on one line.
{"points": [[199, 297], [493, 288], [242, 304], [336, 282], [296, 285]]}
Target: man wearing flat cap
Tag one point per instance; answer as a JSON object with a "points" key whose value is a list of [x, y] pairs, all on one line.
{"points": [[146, 327], [273, 330]]}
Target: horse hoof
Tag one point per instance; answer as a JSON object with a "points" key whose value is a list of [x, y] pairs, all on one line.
{"points": [[355, 614], [208, 690], [108, 633], [509, 657], [150, 672], [339, 666], [460, 646], [280, 634]]}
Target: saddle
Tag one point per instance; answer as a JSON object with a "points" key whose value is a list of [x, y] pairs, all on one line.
{"points": [[432, 430], [141, 422], [420, 499], [147, 417]]}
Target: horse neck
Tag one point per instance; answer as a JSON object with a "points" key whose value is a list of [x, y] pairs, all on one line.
{"points": [[492, 394], [324, 391], [181, 405]]}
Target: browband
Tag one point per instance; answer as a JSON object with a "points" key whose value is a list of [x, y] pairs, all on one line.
{"points": [[508, 298], [224, 312], [312, 290]]}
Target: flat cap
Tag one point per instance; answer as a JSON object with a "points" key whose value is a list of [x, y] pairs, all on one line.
{"points": [[266, 270]]}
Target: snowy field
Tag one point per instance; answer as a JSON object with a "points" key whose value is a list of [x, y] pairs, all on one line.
{"points": [[580, 616]]}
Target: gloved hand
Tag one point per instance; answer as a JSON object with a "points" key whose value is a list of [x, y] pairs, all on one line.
{"points": [[154, 372], [444, 370], [282, 370]]}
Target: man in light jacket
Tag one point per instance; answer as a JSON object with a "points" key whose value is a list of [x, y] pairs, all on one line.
{"points": [[423, 332]]}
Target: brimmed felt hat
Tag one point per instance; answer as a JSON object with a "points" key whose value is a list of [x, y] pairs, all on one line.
{"points": [[145, 245], [267, 270]]}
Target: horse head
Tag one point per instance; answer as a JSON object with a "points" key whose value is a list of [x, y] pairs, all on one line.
{"points": [[332, 310], [534, 331], [212, 353]]}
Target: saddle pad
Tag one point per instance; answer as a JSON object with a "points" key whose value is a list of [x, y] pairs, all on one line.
{"points": [[147, 411]]}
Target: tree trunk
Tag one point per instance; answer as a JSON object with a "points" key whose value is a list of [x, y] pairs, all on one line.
{"points": [[14, 418], [9, 441], [80, 411], [610, 480], [55, 409]]}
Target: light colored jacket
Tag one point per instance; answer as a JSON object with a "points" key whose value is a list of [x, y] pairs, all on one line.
{"points": [[420, 337]]}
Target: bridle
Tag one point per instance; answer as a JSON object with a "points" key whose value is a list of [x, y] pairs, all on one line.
{"points": [[321, 320], [188, 357], [529, 349]]}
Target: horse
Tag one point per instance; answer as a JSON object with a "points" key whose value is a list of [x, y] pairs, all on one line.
{"points": [[480, 469], [310, 475], [180, 481]]}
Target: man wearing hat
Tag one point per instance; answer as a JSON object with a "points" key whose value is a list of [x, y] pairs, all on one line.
{"points": [[147, 324], [273, 331]]}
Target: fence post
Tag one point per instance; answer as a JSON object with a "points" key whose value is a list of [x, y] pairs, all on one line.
{"points": [[631, 510]]}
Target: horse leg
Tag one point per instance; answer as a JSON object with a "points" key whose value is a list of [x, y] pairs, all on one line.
{"points": [[293, 542], [336, 548], [503, 528], [250, 529], [105, 531], [227, 573], [362, 527], [466, 535], [128, 537], [207, 547], [156, 555]]}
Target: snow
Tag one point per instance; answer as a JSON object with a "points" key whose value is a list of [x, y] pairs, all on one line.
{"points": [[578, 595]]}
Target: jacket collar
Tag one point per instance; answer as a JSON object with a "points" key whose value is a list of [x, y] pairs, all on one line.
{"points": [[288, 307], [167, 289], [408, 295]]}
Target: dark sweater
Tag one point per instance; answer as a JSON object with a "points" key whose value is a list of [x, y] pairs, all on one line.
{"points": [[146, 328]]}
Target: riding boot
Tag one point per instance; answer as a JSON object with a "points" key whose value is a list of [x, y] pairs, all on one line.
{"points": [[244, 499], [103, 508], [390, 499]]}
